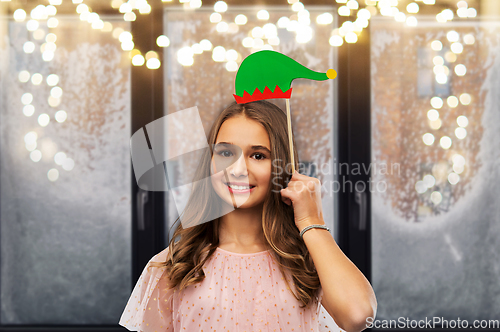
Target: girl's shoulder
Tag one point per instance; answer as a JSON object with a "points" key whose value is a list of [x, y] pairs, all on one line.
{"points": [[152, 290], [161, 256]]}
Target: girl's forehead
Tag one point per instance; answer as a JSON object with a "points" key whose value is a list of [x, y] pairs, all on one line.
{"points": [[242, 131]]}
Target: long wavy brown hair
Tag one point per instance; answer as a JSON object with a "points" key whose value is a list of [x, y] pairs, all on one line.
{"points": [[191, 247]]}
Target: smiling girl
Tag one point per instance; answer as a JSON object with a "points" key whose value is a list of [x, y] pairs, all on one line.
{"points": [[250, 269]]}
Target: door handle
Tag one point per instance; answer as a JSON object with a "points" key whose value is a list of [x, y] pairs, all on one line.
{"points": [[142, 200], [361, 199]]}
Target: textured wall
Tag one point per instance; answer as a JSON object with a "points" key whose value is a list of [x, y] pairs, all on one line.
{"points": [[65, 245], [435, 259]]}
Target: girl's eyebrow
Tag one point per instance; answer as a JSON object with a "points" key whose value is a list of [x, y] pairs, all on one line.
{"points": [[253, 147]]}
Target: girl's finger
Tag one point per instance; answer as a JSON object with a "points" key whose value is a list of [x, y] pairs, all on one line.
{"points": [[284, 198], [288, 193], [299, 176], [297, 186]]}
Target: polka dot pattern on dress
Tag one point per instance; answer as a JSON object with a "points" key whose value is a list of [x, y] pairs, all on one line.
{"points": [[240, 292]]}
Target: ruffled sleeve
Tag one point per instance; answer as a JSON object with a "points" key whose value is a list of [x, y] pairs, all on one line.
{"points": [[149, 307], [325, 321]]}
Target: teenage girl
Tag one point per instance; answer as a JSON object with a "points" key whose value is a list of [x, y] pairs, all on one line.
{"points": [[250, 269]]}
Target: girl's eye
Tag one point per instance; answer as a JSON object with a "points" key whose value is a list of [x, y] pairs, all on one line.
{"points": [[225, 153], [262, 156]]}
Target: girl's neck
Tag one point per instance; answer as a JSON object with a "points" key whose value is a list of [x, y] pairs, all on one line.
{"points": [[242, 228]]}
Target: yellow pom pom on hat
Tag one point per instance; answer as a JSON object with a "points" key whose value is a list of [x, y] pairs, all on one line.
{"points": [[331, 74]]}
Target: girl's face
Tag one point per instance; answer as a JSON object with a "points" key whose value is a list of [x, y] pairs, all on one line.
{"points": [[241, 164]]}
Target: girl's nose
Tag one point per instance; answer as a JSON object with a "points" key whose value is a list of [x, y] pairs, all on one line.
{"points": [[239, 168]]}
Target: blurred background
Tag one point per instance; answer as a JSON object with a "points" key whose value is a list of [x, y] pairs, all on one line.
{"points": [[405, 141]]}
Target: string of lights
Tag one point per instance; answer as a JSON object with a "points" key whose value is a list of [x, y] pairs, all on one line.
{"points": [[263, 35]]}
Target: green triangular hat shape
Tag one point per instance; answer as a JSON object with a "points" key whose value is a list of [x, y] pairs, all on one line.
{"points": [[269, 74]]}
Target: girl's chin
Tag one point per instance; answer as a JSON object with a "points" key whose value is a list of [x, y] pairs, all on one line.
{"points": [[240, 199]]}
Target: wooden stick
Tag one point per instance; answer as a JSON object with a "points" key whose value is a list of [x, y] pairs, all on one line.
{"points": [[290, 140]]}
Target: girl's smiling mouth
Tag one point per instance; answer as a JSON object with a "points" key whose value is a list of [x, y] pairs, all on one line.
{"points": [[239, 187]]}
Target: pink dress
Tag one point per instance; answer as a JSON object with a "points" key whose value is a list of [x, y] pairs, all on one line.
{"points": [[240, 292]]}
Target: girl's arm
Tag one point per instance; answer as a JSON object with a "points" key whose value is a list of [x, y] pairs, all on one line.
{"points": [[347, 295]]}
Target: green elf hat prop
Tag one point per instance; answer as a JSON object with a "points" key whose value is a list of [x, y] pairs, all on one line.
{"points": [[269, 74]]}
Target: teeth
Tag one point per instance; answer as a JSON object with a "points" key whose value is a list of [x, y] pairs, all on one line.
{"points": [[239, 187]]}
